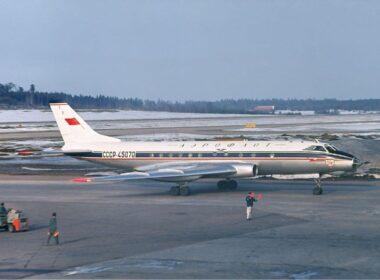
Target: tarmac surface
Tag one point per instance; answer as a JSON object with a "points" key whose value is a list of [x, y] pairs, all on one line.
{"points": [[137, 230]]}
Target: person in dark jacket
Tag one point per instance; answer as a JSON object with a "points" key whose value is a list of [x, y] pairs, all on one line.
{"points": [[53, 229], [3, 210], [250, 199]]}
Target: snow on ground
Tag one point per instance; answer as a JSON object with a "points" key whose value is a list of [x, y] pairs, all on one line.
{"points": [[290, 112], [21, 116], [34, 120], [357, 112], [39, 143], [335, 127]]}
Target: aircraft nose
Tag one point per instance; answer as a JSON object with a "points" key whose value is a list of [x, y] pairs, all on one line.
{"points": [[356, 163]]}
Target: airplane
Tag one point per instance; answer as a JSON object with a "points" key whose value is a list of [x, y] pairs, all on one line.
{"points": [[182, 162]]}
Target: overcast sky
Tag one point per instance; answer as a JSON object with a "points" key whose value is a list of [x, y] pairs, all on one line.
{"points": [[202, 50]]}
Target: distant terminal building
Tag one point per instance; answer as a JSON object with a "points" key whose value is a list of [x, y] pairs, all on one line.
{"points": [[263, 110]]}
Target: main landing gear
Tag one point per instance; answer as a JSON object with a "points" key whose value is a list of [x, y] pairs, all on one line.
{"points": [[180, 190], [227, 185], [318, 189]]}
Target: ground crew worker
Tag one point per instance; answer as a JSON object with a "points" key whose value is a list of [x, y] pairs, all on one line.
{"points": [[250, 199], [3, 210], [53, 229]]}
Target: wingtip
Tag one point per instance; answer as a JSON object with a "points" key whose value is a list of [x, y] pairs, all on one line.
{"points": [[82, 180]]}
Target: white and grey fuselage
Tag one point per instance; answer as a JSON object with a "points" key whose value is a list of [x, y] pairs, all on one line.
{"points": [[262, 157]]}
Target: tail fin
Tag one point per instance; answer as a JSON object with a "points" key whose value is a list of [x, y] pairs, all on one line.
{"points": [[74, 129]]}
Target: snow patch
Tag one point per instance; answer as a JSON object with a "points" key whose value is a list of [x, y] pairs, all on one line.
{"points": [[304, 275], [85, 270], [122, 264]]}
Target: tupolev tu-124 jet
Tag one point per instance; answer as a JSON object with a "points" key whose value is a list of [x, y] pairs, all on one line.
{"points": [[182, 162]]}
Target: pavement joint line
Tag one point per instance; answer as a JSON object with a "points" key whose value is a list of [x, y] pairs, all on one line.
{"points": [[34, 254]]}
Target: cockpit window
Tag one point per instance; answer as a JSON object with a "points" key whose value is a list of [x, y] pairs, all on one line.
{"points": [[316, 148], [330, 149]]}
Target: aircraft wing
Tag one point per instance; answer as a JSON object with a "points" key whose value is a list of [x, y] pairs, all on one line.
{"points": [[181, 173]]}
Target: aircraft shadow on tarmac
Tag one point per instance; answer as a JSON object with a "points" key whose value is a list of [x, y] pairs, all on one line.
{"points": [[157, 189]]}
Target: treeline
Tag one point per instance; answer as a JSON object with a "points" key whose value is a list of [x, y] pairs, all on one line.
{"points": [[12, 96]]}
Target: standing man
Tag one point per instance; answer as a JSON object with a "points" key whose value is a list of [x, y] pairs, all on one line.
{"points": [[53, 229], [3, 210], [250, 199]]}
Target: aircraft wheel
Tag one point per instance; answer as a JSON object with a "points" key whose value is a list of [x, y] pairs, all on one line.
{"points": [[185, 191], [222, 185], [174, 191], [317, 191], [232, 184]]}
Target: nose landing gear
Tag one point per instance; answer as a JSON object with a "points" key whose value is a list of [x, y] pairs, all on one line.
{"points": [[318, 189]]}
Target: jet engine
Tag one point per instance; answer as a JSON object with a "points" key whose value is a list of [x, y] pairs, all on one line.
{"points": [[245, 170]]}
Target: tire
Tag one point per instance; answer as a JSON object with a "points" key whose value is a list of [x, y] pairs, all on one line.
{"points": [[232, 185], [11, 228], [185, 191], [222, 185], [317, 191], [226, 185], [174, 191]]}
